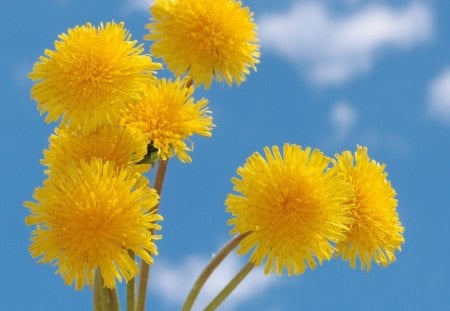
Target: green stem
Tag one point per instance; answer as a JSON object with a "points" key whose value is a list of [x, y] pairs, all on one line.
{"points": [[189, 82], [145, 268], [143, 280], [131, 290], [113, 299], [209, 269], [227, 290], [99, 301]]}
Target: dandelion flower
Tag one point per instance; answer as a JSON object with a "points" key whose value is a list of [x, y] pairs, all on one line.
{"points": [[205, 39], [122, 145], [376, 232], [169, 116], [88, 218], [293, 209], [90, 74]]}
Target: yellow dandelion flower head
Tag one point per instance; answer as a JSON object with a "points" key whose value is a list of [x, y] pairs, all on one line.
{"points": [[376, 232], [88, 218], [169, 115], [122, 145], [293, 208], [205, 38], [90, 74]]}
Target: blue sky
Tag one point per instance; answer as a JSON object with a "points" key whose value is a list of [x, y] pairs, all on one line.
{"points": [[333, 74]]}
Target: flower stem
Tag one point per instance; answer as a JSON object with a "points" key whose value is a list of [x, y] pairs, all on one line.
{"points": [[227, 290], [209, 269], [113, 300], [131, 289], [145, 268], [143, 279], [189, 82], [159, 180], [99, 297]]}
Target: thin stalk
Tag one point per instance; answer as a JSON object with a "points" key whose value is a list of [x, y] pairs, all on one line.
{"points": [[209, 269], [227, 290], [159, 180], [145, 268], [99, 298], [131, 290], [143, 280], [189, 82], [113, 299]]}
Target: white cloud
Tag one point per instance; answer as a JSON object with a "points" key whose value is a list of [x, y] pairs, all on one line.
{"points": [[132, 6], [172, 282], [439, 97], [382, 139], [19, 73], [343, 118], [331, 48]]}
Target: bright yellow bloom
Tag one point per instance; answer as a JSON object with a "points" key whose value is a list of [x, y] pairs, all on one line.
{"points": [[169, 116], [90, 74], [121, 145], [293, 209], [205, 39], [88, 218], [376, 232]]}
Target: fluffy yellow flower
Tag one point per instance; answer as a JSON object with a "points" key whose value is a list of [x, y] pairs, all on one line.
{"points": [[293, 209], [88, 218], [122, 145], [90, 74], [205, 39], [376, 232], [169, 116]]}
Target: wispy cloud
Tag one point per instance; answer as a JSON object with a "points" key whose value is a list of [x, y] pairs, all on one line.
{"points": [[19, 73], [439, 97], [172, 281], [343, 118], [331, 48], [132, 6]]}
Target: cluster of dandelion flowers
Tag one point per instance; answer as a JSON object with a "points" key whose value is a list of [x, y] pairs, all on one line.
{"points": [[376, 232], [88, 218], [90, 74], [169, 115], [124, 146], [293, 208], [205, 39]]}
